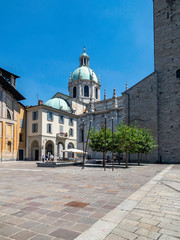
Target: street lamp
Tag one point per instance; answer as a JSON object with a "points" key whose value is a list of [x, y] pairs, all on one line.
{"points": [[112, 145]]}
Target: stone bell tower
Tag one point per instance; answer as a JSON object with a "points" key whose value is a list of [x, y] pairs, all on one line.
{"points": [[167, 66]]}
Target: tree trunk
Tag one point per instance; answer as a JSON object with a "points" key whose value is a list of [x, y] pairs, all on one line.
{"points": [[127, 159], [138, 158], [104, 161]]}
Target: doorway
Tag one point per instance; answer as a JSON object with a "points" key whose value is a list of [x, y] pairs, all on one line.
{"points": [[21, 154]]}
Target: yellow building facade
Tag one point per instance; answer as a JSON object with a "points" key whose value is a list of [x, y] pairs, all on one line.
{"points": [[12, 118]]}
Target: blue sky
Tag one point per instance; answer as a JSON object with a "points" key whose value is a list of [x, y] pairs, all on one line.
{"points": [[41, 41]]}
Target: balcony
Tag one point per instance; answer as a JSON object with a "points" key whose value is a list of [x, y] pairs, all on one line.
{"points": [[61, 135]]}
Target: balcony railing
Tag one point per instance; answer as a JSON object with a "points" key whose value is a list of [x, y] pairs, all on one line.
{"points": [[61, 135]]}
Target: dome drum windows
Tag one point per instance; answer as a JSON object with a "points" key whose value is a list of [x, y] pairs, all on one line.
{"points": [[74, 92], [86, 91], [96, 93], [178, 73]]}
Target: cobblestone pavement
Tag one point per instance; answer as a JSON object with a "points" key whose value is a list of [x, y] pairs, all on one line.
{"points": [[152, 212], [62, 203]]}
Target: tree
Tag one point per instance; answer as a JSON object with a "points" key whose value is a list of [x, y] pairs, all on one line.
{"points": [[97, 141], [123, 140]]}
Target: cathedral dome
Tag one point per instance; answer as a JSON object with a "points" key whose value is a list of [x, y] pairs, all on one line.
{"points": [[84, 73], [59, 104]]}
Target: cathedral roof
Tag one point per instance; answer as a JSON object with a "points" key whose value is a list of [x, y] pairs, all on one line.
{"points": [[84, 73], [59, 104]]}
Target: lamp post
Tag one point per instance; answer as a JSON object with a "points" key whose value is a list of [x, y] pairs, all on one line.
{"points": [[86, 144], [105, 147], [83, 145], [112, 145]]}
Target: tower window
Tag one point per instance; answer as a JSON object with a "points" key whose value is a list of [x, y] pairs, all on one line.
{"points": [[81, 62], [84, 61], [74, 92], [178, 73], [96, 93], [86, 91]]}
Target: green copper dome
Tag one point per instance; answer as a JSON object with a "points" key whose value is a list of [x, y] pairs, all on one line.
{"points": [[59, 104], [84, 73]]}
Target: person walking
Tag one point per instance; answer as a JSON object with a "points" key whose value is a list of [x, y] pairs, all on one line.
{"points": [[43, 158]]}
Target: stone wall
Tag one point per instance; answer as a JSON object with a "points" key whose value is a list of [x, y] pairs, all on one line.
{"points": [[140, 106], [167, 62]]}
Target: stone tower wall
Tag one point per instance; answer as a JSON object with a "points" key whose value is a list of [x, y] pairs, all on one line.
{"points": [[140, 106], [167, 62]]}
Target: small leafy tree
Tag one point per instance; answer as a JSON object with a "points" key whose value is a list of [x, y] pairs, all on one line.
{"points": [[123, 140], [149, 142], [97, 141]]}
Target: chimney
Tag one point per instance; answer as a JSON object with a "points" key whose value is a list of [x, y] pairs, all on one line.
{"points": [[40, 102]]}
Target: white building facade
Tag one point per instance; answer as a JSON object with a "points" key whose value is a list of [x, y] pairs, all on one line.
{"points": [[50, 131]]}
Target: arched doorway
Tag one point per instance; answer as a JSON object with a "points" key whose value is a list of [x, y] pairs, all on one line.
{"points": [[49, 149], [70, 145], [35, 150], [60, 148]]}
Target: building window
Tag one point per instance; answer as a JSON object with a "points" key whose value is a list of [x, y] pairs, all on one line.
{"points": [[71, 122], [61, 119], [49, 116], [71, 132], [86, 91], [81, 62], [8, 114], [96, 93], [35, 127], [61, 129], [35, 115], [74, 92], [20, 137], [9, 146], [81, 135], [21, 123], [49, 128], [178, 73]]}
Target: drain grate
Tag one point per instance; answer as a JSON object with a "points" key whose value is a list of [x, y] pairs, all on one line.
{"points": [[77, 204]]}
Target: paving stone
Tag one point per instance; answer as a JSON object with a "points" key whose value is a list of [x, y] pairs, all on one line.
{"points": [[149, 227], [130, 228], [44, 228], [13, 220], [170, 226], [169, 232], [23, 235], [80, 227], [28, 224], [41, 237], [9, 230], [87, 220], [65, 234], [149, 221], [4, 238], [167, 237], [125, 234], [112, 236], [150, 234]]}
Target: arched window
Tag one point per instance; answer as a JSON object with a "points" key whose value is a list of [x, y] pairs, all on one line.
{"points": [[74, 92], [8, 114], [178, 73], [9, 146], [96, 93], [86, 91]]}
